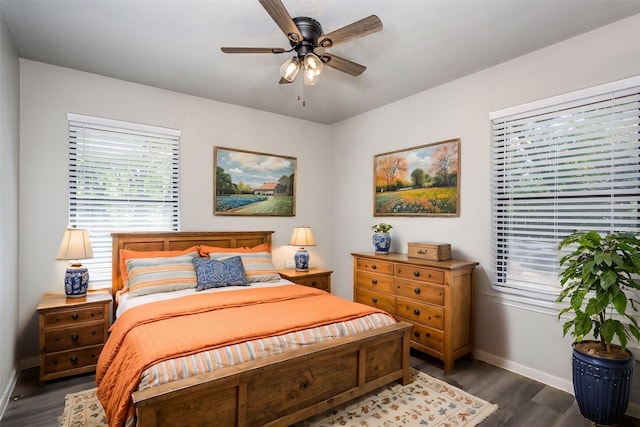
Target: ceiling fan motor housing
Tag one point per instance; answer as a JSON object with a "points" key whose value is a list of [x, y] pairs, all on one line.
{"points": [[311, 30]]}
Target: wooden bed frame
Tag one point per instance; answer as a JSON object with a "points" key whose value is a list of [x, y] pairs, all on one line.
{"points": [[275, 391]]}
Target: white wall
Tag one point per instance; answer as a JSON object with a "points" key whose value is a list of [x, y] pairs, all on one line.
{"points": [[9, 149], [48, 93], [524, 340]]}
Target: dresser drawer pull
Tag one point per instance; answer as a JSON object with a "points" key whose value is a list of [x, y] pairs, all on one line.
{"points": [[416, 312], [416, 273], [75, 316], [373, 266], [74, 359], [374, 300], [416, 334], [374, 281], [417, 290], [314, 283], [74, 337]]}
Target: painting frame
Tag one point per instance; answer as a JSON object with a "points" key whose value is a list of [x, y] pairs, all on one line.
{"points": [[252, 183], [402, 190]]}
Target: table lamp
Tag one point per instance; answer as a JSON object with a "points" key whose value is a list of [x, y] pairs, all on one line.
{"points": [[301, 237], [75, 246]]}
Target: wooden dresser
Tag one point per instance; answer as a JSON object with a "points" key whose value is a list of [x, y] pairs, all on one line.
{"points": [[72, 332], [435, 296]]}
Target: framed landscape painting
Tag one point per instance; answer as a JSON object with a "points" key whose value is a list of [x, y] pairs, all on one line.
{"points": [[251, 183], [418, 181]]}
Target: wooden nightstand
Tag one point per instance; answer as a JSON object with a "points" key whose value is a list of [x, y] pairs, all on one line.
{"points": [[72, 332], [315, 277]]}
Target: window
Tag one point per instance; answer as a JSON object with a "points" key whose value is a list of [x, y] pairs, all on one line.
{"points": [[122, 177], [562, 165]]}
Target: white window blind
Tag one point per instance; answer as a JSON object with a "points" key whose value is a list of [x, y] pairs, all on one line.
{"points": [[558, 169], [122, 177]]}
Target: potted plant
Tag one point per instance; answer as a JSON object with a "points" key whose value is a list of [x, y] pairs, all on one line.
{"points": [[381, 237], [596, 277]]}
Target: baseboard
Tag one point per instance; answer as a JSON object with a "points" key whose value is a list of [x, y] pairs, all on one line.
{"points": [[7, 391], [556, 382], [525, 371]]}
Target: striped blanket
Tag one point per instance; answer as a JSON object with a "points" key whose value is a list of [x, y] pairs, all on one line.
{"points": [[168, 340]]}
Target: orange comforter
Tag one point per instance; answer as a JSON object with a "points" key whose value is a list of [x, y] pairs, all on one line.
{"points": [[163, 330]]}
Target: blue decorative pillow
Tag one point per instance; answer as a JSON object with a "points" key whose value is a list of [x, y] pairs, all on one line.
{"points": [[212, 273]]}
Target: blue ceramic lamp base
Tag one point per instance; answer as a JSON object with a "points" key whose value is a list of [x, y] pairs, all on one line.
{"points": [[301, 259], [76, 282]]}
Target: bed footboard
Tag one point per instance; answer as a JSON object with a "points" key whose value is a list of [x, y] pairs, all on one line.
{"points": [[283, 389]]}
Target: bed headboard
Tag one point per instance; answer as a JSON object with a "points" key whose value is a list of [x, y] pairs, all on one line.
{"points": [[177, 240]]}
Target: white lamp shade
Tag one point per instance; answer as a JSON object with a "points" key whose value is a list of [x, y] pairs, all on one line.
{"points": [[302, 236], [75, 245]]}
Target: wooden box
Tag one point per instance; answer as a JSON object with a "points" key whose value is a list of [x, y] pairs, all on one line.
{"points": [[430, 251]]}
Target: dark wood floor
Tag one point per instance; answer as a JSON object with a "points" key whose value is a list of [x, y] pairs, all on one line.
{"points": [[523, 402]]}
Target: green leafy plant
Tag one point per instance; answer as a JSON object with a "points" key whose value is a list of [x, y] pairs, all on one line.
{"points": [[383, 227], [594, 278]]}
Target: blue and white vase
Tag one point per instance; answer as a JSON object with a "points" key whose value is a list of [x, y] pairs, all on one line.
{"points": [[301, 259], [76, 282], [382, 242]]}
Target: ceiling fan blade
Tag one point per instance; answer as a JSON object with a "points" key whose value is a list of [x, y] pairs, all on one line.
{"points": [[252, 49], [342, 64], [364, 27], [279, 14]]}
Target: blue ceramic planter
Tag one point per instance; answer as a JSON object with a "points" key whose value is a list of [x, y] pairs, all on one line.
{"points": [[76, 282], [602, 387], [382, 242]]}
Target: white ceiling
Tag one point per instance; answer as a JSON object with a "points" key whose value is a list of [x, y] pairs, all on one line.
{"points": [[175, 44]]}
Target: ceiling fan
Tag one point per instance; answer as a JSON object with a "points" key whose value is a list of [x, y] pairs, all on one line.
{"points": [[305, 36]]}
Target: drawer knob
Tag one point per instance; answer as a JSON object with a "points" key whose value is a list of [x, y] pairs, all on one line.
{"points": [[75, 316], [74, 337], [374, 281], [416, 273], [373, 266], [314, 283], [374, 300], [74, 359], [416, 334], [416, 312], [427, 335], [417, 290]]}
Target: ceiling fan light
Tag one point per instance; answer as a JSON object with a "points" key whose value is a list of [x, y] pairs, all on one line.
{"points": [[310, 78], [312, 64], [289, 70]]}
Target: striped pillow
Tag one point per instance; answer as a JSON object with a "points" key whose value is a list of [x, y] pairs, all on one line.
{"points": [[258, 266], [154, 275]]}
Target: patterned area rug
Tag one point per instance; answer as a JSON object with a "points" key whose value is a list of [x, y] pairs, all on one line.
{"points": [[424, 402]]}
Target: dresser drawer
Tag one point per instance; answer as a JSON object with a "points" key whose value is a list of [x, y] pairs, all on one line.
{"points": [[374, 266], [424, 292], [59, 339], [72, 359], [419, 273], [75, 315], [315, 282], [383, 302], [428, 337], [377, 282], [426, 314]]}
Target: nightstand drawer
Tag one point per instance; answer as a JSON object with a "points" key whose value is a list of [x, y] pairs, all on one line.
{"points": [[72, 359], [75, 315], [315, 282], [73, 337]]}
